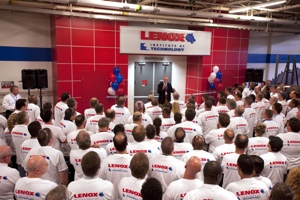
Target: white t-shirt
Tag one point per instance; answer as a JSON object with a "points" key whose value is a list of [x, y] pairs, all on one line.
{"points": [[266, 181], [122, 114], [110, 149], [279, 120], [231, 113], [230, 97], [154, 112], [178, 189], [89, 112], [275, 166], [130, 188], [33, 111], [57, 134], [166, 123], [223, 150], [239, 125], [249, 188], [92, 123], [239, 103], [246, 92], [221, 109], [284, 106], [128, 131], [191, 129], [149, 149], [91, 188], [59, 111], [67, 127], [8, 179], [76, 157], [181, 103], [251, 117], [209, 192], [291, 148], [33, 188], [181, 148], [27, 145], [19, 134], [208, 121], [3, 125], [215, 138], [290, 114], [166, 169], [8, 140], [111, 127], [161, 136], [148, 105], [71, 138], [257, 146], [146, 120], [9, 101], [202, 155], [259, 107], [272, 128], [54, 158], [114, 168], [102, 138], [229, 165]]}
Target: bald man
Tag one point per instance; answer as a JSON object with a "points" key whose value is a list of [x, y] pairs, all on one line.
{"points": [[8, 176], [211, 189], [32, 186], [178, 189]]}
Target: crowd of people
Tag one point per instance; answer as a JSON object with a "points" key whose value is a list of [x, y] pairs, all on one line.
{"points": [[243, 146]]}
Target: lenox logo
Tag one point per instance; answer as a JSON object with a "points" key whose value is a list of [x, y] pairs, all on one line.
{"points": [[164, 36]]}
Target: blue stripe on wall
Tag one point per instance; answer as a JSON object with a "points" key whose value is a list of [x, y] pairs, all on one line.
{"points": [[25, 54], [270, 58]]}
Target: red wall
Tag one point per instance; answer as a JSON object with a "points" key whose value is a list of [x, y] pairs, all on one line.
{"points": [[229, 51], [85, 45]]}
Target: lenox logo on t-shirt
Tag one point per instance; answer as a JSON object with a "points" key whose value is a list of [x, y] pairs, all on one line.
{"points": [[189, 129], [139, 151], [225, 153], [28, 109], [26, 149], [212, 117], [18, 134], [249, 192], [102, 141], [94, 121], [63, 125], [90, 115], [231, 164], [3, 178], [181, 196], [252, 115], [118, 166], [180, 152], [119, 114], [56, 107], [258, 145], [272, 128], [297, 142], [73, 141], [220, 136], [91, 194], [222, 111], [135, 193], [238, 126], [28, 193], [277, 163]]}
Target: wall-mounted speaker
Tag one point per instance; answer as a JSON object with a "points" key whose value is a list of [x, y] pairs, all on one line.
{"points": [[28, 79], [41, 78], [254, 75]]}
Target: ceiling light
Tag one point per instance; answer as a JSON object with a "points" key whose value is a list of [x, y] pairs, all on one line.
{"points": [[257, 6]]}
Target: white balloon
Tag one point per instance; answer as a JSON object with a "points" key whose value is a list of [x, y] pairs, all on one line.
{"points": [[111, 91], [215, 69], [210, 79], [213, 75]]}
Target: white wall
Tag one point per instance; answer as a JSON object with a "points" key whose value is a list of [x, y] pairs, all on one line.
{"points": [[24, 30], [178, 74]]}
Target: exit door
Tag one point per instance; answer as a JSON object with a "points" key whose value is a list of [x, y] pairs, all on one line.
{"points": [[147, 77]]}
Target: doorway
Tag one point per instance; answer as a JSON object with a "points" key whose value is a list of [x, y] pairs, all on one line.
{"points": [[147, 76]]}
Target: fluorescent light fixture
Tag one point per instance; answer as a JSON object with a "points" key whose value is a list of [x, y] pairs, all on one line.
{"points": [[257, 6]]}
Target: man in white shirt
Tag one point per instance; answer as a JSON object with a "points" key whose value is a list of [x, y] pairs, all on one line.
{"points": [[91, 185], [137, 120], [139, 107], [272, 128], [176, 97], [19, 134], [60, 108], [165, 167], [167, 120], [275, 164], [181, 147], [83, 141], [178, 189], [21, 105], [9, 176], [239, 99], [294, 109], [258, 168], [259, 107], [92, 122], [291, 143], [248, 187], [228, 92], [277, 117], [57, 168], [151, 133], [221, 108], [117, 166], [33, 128], [72, 103], [90, 112], [130, 187], [111, 114], [250, 115], [9, 100], [191, 129], [103, 137], [149, 102], [152, 189], [32, 109], [155, 110], [122, 113], [246, 91], [231, 104], [139, 145], [210, 189], [258, 145], [238, 124], [215, 137], [282, 96], [208, 120], [229, 162], [227, 148], [34, 186]]}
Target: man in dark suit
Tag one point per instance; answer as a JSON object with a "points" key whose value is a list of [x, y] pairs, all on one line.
{"points": [[164, 89]]}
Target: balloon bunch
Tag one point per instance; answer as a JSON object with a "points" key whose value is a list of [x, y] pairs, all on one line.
{"points": [[215, 78], [116, 82]]}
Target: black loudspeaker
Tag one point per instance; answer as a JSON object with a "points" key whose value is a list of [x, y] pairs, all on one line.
{"points": [[249, 75], [254, 75], [28, 79], [41, 78]]}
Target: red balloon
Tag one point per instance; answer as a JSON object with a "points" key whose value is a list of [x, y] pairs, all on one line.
{"points": [[120, 91], [111, 77], [217, 81], [122, 84], [219, 87]]}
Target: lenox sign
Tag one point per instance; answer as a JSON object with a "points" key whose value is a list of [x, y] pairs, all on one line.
{"points": [[137, 40]]}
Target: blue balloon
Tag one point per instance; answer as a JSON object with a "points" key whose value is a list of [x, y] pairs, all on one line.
{"points": [[219, 75], [115, 85], [119, 78], [212, 85], [116, 70]]}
